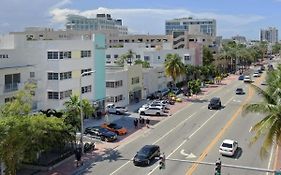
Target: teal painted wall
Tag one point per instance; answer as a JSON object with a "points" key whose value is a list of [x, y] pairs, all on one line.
{"points": [[99, 66]]}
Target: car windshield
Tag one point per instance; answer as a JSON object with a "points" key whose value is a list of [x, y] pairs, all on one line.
{"points": [[114, 126], [214, 100], [144, 151], [226, 145], [103, 130], [239, 89]]}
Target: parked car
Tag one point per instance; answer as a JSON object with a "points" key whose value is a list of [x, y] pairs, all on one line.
{"points": [[264, 83], [256, 74], [162, 103], [146, 154], [228, 147], [247, 79], [262, 67], [239, 91], [175, 90], [151, 110], [120, 130], [112, 109], [241, 77], [260, 71], [101, 133], [215, 103]]}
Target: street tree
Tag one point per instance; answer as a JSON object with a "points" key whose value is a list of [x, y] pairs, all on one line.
{"points": [[72, 111], [174, 67], [270, 125], [208, 57]]}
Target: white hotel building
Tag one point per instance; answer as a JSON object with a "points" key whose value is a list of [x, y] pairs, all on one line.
{"points": [[54, 65]]}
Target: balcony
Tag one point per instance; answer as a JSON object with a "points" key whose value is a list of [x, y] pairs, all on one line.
{"points": [[11, 87]]}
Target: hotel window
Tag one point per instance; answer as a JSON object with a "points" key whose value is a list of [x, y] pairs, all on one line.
{"points": [[186, 57], [32, 74], [110, 84], [108, 56], [135, 80], [65, 94], [110, 99], [86, 70], [138, 56], [118, 83], [115, 56], [53, 76], [85, 53], [53, 55], [146, 58], [118, 98], [65, 75], [86, 89], [53, 95]]}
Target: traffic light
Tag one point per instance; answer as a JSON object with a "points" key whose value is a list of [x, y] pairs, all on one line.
{"points": [[161, 165], [218, 167]]}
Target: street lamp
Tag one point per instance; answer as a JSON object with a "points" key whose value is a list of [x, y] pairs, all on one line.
{"points": [[81, 111]]}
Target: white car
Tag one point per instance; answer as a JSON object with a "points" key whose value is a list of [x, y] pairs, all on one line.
{"points": [[162, 102], [228, 147], [256, 74], [112, 109], [151, 110], [247, 79]]}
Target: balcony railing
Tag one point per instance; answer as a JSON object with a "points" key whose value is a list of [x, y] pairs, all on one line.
{"points": [[11, 87]]}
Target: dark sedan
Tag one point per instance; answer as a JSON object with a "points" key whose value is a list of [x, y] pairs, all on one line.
{"points": [[239, 91], [146, 154], [215, 103], [101, 133]]}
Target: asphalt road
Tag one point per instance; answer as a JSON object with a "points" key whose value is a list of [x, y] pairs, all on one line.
{"points": [[197, 130]]}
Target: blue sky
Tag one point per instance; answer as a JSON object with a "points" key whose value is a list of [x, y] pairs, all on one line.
{"points": [[243, 17]]}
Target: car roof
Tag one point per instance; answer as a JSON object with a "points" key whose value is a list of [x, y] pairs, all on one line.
{"points": [[228, 141], [149, 146], [215, 98]]}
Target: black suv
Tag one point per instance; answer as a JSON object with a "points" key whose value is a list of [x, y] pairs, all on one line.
{"points": [[101, 133], [215, 103]]}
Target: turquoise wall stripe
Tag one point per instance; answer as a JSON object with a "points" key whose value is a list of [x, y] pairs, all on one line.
{"points": [[99, 66]]}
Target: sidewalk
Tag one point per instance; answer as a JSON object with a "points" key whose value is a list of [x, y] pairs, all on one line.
{"points": [[69, 167]]}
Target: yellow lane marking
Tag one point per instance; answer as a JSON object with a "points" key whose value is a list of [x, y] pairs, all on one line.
{"points": [[219, 135]]}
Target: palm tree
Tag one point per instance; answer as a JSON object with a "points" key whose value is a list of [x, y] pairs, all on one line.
{"points": [[174, 66], [73, 111], [127, 57], [270, 125], [145, 64]]}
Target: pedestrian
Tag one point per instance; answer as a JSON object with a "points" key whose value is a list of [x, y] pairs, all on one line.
{"points": [[147, 122], [78, 155], [142, 121], [139, 119], [136, 123]]}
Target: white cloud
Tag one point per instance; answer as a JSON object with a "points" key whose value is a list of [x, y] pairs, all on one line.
{"points": [[153, 20], [61, 3]]}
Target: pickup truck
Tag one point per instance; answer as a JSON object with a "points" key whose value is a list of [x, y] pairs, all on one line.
{"points": [[112, 109]]}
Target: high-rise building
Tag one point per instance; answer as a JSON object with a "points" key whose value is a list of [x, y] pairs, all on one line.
{"points": [[102, 22], [270, 35], [192, 26]]}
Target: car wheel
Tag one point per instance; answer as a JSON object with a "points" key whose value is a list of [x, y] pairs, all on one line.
{"points": [[158, 114], [102, 138], [117, 112], [142, 113]]}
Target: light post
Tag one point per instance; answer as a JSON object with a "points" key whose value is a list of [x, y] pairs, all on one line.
{"points": [[81, 109]]}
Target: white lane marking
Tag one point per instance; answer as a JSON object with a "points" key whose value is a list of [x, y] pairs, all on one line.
{"points": [[187, 156], [167, 156], [156, 141], [208, 120], [188, 137], [270, 158], [174, 128]]}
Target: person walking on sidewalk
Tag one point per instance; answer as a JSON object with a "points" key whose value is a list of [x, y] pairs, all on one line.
{"points": [[147, 122], [136, 123], [78, 155]]}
